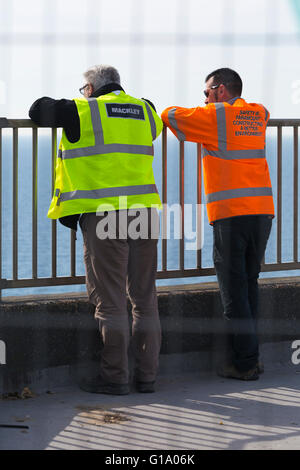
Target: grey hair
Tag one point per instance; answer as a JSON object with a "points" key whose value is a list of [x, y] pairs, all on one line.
{"points": [[101, 75]]}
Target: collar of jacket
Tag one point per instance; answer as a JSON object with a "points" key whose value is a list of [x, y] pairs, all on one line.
{"points": [[233, 100], [106, 89]]}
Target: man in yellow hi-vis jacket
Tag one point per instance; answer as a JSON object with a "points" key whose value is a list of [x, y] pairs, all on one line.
{"points": [[103, 172]]}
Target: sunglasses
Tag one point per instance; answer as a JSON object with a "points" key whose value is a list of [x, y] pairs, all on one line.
{"points": [[83, 88], [206, 92]]}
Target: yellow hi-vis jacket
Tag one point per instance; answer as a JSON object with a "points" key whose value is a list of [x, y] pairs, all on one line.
{"points": [[110, 166]]}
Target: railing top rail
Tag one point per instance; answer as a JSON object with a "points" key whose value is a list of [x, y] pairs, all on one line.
{"points": [[17, 123], [284, 122], [28, 123]]}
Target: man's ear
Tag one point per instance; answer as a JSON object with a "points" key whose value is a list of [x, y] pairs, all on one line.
{"points": [[222, 89]]}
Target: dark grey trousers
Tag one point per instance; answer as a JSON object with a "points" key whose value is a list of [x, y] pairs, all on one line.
{"points": [[239, 247], [116, 266]]}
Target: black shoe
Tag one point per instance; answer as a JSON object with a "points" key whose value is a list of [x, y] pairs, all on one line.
{"points": [[231, 372], [260, 367], [98, 385], [145, 387]]}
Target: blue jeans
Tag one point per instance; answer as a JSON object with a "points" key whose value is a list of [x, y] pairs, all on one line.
{"points": [[239, 247]]}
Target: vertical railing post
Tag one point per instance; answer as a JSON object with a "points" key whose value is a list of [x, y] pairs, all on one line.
{"points": [[0, 213], [164, 199], [15, 203], [296, 192], [34, 201], [73, 252], [199, 206], [53, 222], [279, 193], [181, 196]]}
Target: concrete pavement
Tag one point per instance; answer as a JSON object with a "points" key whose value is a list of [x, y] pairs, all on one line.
{"points": [[189, 412]]}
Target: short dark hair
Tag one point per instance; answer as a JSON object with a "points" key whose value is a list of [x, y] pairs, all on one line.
{"points": [[229, 78]]}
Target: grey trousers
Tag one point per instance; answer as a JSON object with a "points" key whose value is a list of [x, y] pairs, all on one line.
{"points": [[115, 266]]}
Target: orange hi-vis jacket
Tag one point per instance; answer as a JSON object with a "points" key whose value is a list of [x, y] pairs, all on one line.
{"points": [[235, 169]]}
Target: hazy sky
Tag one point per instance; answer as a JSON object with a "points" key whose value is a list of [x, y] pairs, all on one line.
{"points": [[162, 48]]}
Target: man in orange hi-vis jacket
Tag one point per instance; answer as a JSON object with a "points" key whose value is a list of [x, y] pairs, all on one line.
{"points": [[239, 205]]}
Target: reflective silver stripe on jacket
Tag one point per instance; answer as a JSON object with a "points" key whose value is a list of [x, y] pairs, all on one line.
{"points": [[100, 148], [173, 123], [267, 113], [108, 148], [222, 151], [152, 120], [236, 193], [96, 122], [109, 192], [235, 154]]}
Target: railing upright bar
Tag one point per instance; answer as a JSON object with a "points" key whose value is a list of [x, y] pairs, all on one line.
{"points": [[296, 191], [199, 202], [279, 192], [0, 211], [34, 201], [15, 203], [73, 252], [181, 190], [53, 224], [164, 199]]}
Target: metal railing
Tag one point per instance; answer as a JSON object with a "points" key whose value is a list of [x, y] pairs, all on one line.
{"points": [[55, 280]]}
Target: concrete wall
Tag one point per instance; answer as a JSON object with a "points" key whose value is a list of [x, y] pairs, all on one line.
{"points": [[51, 341]]}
